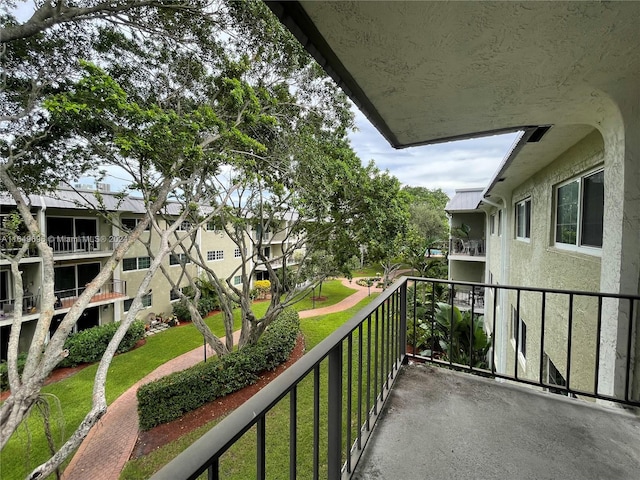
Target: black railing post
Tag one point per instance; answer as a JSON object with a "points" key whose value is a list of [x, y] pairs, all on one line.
{"points": [[402, 340], [334, 414]]}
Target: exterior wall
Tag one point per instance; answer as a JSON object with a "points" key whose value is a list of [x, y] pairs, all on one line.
{"points": [[539, 263], [160, 287], [466, 271]]}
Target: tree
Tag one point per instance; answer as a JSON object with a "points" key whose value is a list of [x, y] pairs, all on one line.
{"points": [[428, 216], [385, 213], [173, 130]]}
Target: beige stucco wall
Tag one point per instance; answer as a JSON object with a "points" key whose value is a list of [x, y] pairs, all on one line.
{"points": [[208, 240], [538, 263]]}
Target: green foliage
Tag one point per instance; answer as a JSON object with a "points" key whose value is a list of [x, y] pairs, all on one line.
{"points": [[4, 371], [89, 345], [463, 341], [170, 397]]}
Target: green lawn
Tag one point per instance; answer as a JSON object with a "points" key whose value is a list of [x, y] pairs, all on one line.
{"points": [[239, 462], [28, 448]]}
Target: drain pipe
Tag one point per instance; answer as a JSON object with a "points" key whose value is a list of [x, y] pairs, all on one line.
{"points": [[502, 310]]}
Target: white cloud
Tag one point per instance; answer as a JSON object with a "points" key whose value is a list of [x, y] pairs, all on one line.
{"points": [[461, 164]]}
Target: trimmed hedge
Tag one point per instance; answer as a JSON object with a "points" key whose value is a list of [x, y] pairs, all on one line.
{"points": [[172, 396], [89, 345]]}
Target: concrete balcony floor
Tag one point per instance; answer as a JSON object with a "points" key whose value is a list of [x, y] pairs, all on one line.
{"points": [[443, 424]]}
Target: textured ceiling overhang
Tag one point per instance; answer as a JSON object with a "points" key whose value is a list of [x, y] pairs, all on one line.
{"points": [[428, 72]]}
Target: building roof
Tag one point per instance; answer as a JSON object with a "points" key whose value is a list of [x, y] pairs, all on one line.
{"points": [[465, 199], [86, 200]]}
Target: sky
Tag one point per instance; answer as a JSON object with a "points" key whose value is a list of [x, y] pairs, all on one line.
{"points": [[449, 166]]}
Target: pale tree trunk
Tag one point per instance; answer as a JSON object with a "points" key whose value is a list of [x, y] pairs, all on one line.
{"points": [[40, 365], [99, 406]]}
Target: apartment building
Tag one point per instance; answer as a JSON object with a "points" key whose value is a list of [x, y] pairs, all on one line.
{"points": [[82, 241], [547, 226]]}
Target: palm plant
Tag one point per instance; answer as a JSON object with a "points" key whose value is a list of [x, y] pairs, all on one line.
{"points": [[462, 340]]}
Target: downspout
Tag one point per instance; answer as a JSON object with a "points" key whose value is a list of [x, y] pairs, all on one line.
{"points": [[503, 311]]}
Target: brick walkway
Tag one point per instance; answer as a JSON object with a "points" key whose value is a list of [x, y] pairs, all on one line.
{"points": [[107, 448]]}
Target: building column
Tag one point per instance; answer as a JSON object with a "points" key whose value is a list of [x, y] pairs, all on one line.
{"points": [[620, 267]]}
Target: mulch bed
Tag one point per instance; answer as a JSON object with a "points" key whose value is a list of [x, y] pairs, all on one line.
{"points": [[168, 432]]}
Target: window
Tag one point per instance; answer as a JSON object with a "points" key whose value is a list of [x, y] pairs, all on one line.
{"points": [[520, 328], [492, 224], [138, 263], [185, 226], [129, 264], [214, 225], [580, 210], [499, 222], [146, 302], [215, 255], [179, 259], [237, 280], [236, 253], [144, 262], [130, 223], [523, 219]]}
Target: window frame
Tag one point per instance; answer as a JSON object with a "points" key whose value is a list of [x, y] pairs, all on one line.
{"points": [[215, 255], [135, 221], [577, 246], [526, 205], [126, 305], [183, 259], [137, 264]]}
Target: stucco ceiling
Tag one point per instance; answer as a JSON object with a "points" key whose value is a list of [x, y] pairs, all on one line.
{"points": [[425, 72]]}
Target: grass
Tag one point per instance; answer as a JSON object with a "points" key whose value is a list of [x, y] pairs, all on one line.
{"points": [[239, 461], [28, 448]]}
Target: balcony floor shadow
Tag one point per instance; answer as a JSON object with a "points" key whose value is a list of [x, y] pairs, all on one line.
{"points": [[443, 424]]}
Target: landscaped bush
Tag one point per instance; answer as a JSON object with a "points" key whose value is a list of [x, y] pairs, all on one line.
{"points": [[205, 305], [174, 395], [89, 345], [4, 371]]}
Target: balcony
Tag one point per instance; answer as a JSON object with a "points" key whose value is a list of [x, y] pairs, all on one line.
{"points": [[30, 305], [110, 292], [454, 412], [74, 246], [472, 250]]}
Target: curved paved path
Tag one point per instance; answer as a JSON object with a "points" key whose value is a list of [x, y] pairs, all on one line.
{"points": [[109, 444]]}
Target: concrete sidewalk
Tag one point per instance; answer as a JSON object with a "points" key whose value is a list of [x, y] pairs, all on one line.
{"points": [[109, 444]]}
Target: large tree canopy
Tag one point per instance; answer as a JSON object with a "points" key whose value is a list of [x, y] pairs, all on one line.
{"points": [[210, 106]]}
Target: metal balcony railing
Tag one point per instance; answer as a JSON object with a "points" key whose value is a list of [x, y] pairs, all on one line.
{"points": [[351, 373], [30, 304], [67, 244], [113, 289]]}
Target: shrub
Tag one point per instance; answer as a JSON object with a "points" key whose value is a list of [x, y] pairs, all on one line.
{"points": [[172, 396], [89, 345], [205, 305], [4, 371], [181, 311]]}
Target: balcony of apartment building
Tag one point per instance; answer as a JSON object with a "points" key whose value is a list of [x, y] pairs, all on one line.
{"points": [[78, 237], [358, 405], [29, 305], [70, 282]]}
